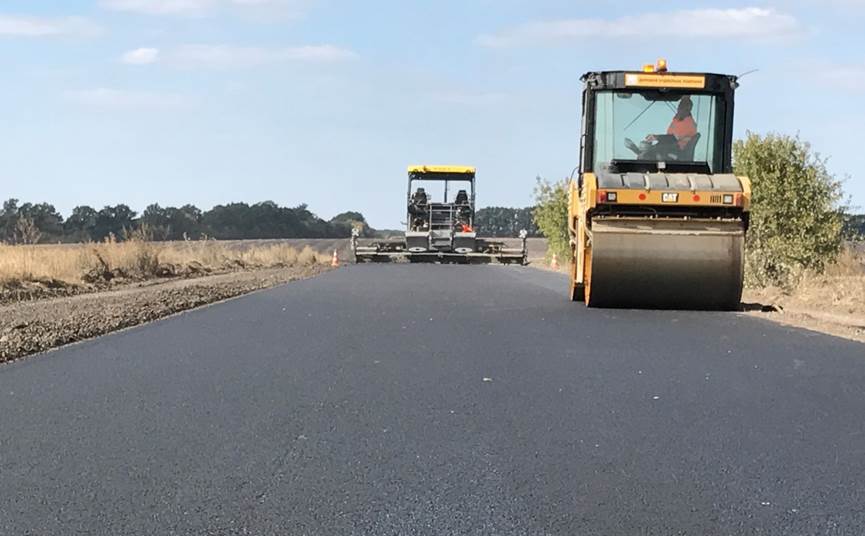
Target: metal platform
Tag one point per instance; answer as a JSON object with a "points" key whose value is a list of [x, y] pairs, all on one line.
{"points": [[396, 251]]}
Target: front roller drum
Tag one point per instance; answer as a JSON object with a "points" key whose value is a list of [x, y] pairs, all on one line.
{"points": [[673, 264]]}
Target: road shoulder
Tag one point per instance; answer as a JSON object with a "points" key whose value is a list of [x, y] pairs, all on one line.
{"points": [[841, 314], [35, 326]]}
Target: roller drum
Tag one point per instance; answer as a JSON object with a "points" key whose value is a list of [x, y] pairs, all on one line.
{"points": [[681, 264]]}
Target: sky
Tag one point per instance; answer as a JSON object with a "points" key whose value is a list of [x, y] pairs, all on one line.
{"points": [[326, 102]]}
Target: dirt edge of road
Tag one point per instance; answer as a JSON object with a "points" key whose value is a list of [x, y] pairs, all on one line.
{"points": [[803, 311], [35, 326], [807, 310]]}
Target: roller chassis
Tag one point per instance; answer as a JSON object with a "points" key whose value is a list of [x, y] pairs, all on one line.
{"points": [[666, 232]]}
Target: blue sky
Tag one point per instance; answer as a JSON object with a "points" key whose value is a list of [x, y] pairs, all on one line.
{"points": [[326, 102]]}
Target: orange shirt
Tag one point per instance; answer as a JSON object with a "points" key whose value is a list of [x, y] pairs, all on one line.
{"points": [[684, 130]]}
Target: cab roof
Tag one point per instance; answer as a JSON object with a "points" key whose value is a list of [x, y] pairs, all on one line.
{"points": [[683, 81], [448, 170]]}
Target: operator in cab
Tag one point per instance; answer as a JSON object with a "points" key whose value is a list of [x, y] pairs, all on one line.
{"points": [[683, 126]]}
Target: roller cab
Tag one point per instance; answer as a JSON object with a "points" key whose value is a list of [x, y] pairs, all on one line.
{"points": [[656, 216]]}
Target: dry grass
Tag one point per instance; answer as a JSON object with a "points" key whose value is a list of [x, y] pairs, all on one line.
{"points": [[841, 286], [832, 302], [840, 289], [139, 258]]}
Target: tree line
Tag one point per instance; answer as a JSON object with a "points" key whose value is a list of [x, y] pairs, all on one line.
{"points": [[32, 223], [503, 222], [854, 227]]}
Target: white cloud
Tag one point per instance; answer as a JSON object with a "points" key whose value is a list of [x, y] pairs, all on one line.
{"points": [[18, 26], [227, 56], [141, 56], [201, 7], [118, 99], [751, 23]]}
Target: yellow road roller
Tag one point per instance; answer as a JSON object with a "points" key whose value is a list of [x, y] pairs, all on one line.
{"points": [[656, 216]]}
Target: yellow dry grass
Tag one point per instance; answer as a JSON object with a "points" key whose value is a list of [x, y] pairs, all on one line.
{"points": [[70, 262], [841, 286], [832, 302], [839, 289]]}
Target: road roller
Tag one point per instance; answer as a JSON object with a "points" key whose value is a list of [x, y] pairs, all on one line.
{"points": [[656, 216]]}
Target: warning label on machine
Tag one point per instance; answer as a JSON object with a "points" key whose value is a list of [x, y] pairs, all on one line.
{"points": [[665, 80]]}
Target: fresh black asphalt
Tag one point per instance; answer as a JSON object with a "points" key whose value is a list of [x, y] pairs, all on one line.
{"points": [[410, 399]]}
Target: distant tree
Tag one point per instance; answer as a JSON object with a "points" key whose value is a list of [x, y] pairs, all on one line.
{"points": [[113, 221], [157, 221], [494, 221], [796, 213], [30, 222], [8, 220], [44, 218], [10, 206], [551, 215], [227, 221], [505, 222], [310, 224], [343, 224], [348, 216], [154, 216], [269, 220], [854, 227], [26, 231], [81, 224], [185, 222]]}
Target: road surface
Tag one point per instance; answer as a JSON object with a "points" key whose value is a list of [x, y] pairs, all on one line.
{"points": [[410, 399]]}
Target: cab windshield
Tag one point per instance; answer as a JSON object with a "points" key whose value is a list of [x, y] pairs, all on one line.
{"points": [[654, 126]]}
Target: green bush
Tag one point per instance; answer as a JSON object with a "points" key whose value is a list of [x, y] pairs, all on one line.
{"points": [[551, 216], [854, 227], [505, 222], [796, 212]]}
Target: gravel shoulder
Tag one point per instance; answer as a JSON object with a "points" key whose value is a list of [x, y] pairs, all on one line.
{"points": [[34, 326], [834, 306], [813, 309]]}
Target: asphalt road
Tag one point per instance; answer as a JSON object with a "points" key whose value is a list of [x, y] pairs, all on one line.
{"points": [[408, 399]]}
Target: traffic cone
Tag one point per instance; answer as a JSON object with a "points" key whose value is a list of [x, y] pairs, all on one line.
{"points": [[334, 263], [554, 262]]}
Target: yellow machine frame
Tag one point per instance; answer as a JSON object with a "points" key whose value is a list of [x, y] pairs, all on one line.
{"points": [[675, 238], [580, 203]]}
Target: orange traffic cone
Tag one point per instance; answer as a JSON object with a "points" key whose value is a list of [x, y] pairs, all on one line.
{"points": [[554, 262], [335, 262]]}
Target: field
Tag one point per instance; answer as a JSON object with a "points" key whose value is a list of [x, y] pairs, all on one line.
{"points": [[28, 272], [56, 294]]}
